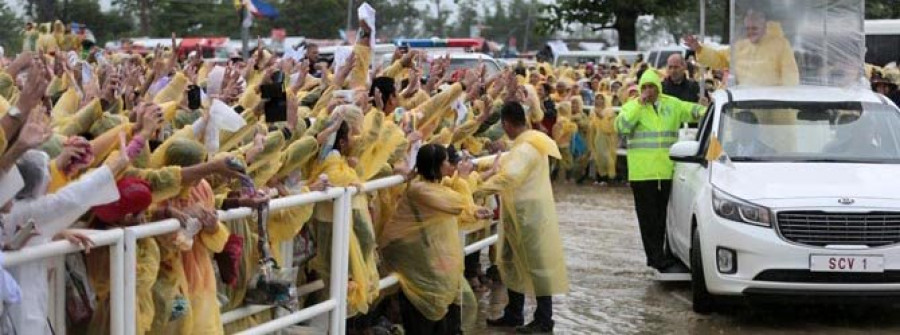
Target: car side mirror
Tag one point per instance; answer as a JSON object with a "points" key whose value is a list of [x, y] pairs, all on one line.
{"points": [[685, 152]]}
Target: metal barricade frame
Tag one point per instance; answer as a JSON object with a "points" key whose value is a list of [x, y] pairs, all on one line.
{"points": [[113, 238]]}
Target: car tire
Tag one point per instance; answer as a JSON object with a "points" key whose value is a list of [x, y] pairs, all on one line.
{"points": [[703, 302]]}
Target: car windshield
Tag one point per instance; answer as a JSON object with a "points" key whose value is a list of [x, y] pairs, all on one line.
{"points": [[458, 63], [811, 132]]}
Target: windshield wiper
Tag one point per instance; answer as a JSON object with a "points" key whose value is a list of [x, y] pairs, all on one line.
{"points": [[747, 159]]}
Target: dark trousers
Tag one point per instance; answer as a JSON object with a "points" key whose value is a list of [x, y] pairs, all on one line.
{"points": [[515, 308], [473, 265], [650, 200], [416, 323]]}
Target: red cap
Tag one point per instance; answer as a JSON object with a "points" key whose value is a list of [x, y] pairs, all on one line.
{"points": [[134, 197]]}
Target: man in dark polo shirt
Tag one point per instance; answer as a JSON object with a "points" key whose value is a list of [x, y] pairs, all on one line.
{"points": [[677, 84]]}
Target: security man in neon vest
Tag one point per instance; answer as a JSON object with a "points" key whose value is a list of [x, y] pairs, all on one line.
{"points": [[650, 124]]}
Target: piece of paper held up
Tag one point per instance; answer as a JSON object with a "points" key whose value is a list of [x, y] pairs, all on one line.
{"points": [[341, 55], [366, 13], [461, 110]]}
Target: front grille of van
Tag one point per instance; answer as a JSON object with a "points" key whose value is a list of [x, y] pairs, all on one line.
{"points": [[817, 228]]}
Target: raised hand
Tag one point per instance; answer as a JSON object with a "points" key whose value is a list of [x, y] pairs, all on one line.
{"points": [[691, 42]]}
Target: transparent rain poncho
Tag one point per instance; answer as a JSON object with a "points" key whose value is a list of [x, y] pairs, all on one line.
{"points": [[825, 37]]}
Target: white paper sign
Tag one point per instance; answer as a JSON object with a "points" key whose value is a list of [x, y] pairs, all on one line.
{"points": [[367, 14], [461, 110], [341, 55]]}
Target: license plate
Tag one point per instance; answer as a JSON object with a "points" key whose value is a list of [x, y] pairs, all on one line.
{"points": [[828, 263]]}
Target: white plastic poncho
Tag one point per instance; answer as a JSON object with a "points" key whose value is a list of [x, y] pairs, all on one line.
{"points": [[68, 203]]}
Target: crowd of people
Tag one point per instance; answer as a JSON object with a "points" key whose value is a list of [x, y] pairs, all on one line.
{"points": [[107, 139]]}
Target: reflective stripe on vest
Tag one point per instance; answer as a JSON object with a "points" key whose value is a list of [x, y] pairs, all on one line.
{"points": [[653, 134], [651, 145]]}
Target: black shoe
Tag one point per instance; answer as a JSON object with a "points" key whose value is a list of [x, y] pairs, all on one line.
{"points": [[675, 268], [504, 321], [536, 327]]}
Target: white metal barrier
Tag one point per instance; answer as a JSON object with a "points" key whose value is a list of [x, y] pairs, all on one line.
{"points": [[340, 255], [112, 238], [123, 261], [386, 282]]}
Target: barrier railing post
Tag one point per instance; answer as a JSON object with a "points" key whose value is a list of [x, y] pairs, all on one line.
{"points": [[130, 266], [340, 253], [117, 272]]}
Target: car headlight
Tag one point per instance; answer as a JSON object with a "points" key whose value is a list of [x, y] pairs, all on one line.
{"points": [[734, 209]]}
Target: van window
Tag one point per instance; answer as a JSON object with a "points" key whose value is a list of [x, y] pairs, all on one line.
{"points": [[651, 58]]}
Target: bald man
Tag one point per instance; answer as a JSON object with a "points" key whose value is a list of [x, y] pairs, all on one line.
{"points": [[677, 84]]}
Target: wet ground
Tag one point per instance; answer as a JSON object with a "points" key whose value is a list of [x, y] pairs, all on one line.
{"points": [[612, 292]]}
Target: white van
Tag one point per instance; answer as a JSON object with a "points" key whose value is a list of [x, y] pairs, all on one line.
{"points": [[803, 203], [657, 57], [882, 41], [597, 57]]}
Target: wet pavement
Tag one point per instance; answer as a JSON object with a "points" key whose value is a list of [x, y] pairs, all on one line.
{"points": [[612, 292]]}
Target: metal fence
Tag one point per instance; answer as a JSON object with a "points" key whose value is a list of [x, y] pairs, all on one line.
{"points": [[123, 264]]}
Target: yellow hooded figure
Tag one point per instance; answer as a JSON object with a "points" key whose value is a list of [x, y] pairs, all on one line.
{"points": [[763, 58], [363, 286], [186, 277], [421, 242], [562, 132], [174, 90], [602, 138], [81, 121], [59, 33], [530, 256], [46, 42]]}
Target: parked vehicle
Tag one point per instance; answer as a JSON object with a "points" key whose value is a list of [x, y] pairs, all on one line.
{"points": [[581, 57], [882, 41], [657, 57]]}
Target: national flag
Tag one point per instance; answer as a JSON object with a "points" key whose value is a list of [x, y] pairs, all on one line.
{"points": [[715, 149], [260, 8], [716, 153]]}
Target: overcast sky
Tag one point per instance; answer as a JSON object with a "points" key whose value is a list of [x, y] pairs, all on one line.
{"points": [[421, 4]]}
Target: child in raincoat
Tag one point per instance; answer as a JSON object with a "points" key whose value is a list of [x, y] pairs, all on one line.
{"points": [[603, 139]]}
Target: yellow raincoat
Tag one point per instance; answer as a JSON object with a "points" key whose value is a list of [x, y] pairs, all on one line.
{"points": [[421, 245], [770, 62], [530, 256], [603, 141], [363, 288], [189, 274], [563, 131]]}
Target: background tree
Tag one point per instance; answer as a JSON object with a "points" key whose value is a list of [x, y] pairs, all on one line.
{"points": [[10, 30], [142, 10], [603, 14], [882, 9], [436, 21], [106, 26]]}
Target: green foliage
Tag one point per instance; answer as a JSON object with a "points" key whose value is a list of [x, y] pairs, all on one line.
{"points": [[882, 9], [106, 26], [10, 30], [603, 14], [519, 19]]}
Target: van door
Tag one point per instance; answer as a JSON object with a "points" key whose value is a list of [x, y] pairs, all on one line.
{"points": [[686, 184]]}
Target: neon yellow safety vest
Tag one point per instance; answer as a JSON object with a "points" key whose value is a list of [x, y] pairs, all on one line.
{"points": [[651, 132]]}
